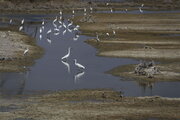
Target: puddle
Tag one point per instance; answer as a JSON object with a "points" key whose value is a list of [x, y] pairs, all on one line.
{"points": [[51, 74], [8, 108]]}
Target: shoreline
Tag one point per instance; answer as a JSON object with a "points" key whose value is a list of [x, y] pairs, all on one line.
{"points": [[13, 44], [152, 40]]}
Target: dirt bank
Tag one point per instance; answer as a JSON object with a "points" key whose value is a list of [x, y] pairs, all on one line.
{"points": [[12, 46], [141, 36], [30, 6], [88, 105]]}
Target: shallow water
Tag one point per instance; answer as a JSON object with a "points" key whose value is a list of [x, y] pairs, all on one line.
{"points": [[50, 73], [137, 11]]}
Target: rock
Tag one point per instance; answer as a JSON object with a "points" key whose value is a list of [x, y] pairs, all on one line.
{"points": [[147, 69]]}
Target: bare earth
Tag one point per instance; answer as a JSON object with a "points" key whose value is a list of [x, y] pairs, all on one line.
{"points": [[88, 105], [141, 36], [13, 44]]}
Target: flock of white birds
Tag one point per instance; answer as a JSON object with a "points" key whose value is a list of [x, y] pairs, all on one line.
{"points": [[58, 23]]}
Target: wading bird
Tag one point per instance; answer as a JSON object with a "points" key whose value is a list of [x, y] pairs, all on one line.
{"points": [[140, 9], [111, 10], [26, 51], [97, 38], [60, 13], [49, 41], [20, 28], [67, 55], [107, 34], [10, 21], [49, 31], [22, 21], [78, 65], [114, 32]]}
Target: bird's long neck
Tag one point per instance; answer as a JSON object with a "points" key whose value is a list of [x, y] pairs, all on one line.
{"points": [[69, 51]]}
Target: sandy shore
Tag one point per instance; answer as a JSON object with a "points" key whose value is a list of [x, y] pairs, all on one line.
{"points": [[88, 105], [13, 44]]}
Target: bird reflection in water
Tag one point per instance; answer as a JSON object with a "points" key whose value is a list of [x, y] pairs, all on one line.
{"points": [[78, 76], [67, 65]]}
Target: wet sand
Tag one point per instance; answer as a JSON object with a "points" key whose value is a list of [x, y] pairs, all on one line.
{"points": [[90, 104]]}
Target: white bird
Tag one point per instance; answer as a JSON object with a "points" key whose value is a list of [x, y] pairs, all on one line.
{"points": [[42, 22], [49, 31], [78, 76], [114, 32], [22, 21], [54, 25], [64, 31], [111, 10], [91, 9], [67, 65], [77, 26], [69, 30], [77, 36], [60, 13], [60, 22], [71, 23], [10, 21], [142, 5], [107, 4], [97, 38], [55, 20], [49, 41], [26, 51], [73, 11], [60, 18], [85, 9], [126, 10], [20, 28], [107, 34], [140, 9], [64, 25], [67, 55], [78, 65]]}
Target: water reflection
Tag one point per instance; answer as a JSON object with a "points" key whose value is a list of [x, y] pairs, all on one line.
{"points": [[78, 76]]}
